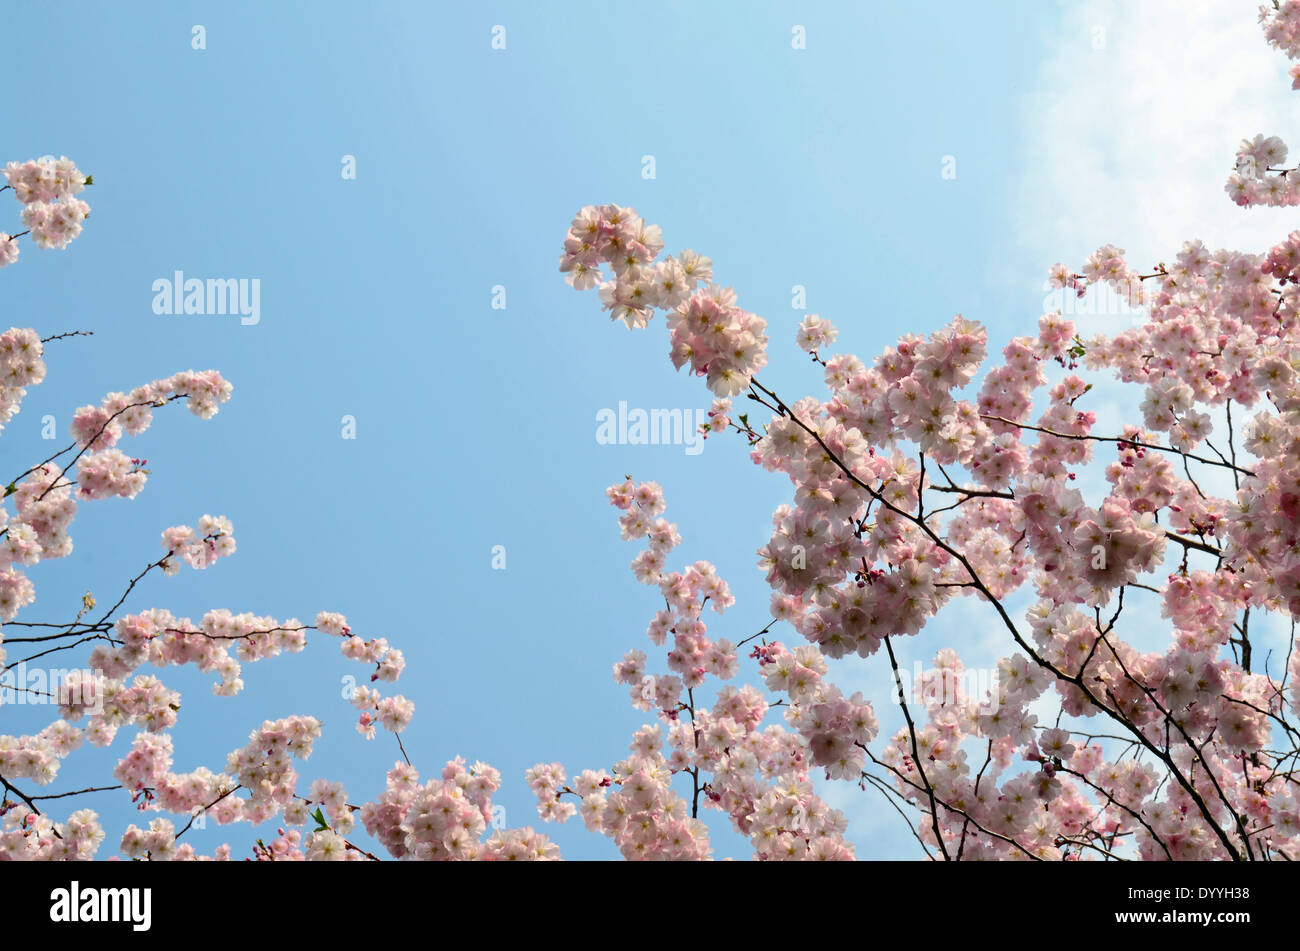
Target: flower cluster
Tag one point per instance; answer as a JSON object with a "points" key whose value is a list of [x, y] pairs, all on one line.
{"points": [[758, 776], [51, 212], [1260, 178], [28, 836], [55, 225], [45, 180], [43, 495], [198, 547], [720, 341], [99, 427], [46, 505], [21, 364], [815, 333], [393, 713], [445, 819]]}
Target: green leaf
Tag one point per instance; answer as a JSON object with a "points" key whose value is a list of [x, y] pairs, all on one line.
{"points": [[10, 489], [90, 179], [321, 824]]}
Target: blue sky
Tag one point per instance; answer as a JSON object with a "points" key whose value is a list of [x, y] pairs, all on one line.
{"points": [[475, 426]]}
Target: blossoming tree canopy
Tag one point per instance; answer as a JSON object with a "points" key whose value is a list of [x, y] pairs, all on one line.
{"points": [[443, 817], [936, 472], [909, 494]]}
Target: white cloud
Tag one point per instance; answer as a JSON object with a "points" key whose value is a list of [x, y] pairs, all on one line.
{"points": [[1131, 143]]}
